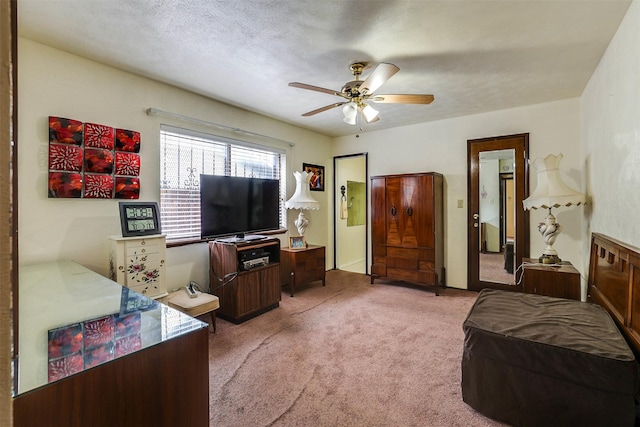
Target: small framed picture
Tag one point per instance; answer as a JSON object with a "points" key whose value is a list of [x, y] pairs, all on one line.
{"points": [[139, 218], [297, 242], [316, 183]]}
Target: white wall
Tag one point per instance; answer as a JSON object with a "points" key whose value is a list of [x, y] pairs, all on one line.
{"points": [[55, 83], [441, 146], [611, 138]]}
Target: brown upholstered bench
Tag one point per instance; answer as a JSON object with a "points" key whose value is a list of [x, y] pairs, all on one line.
{"points": [[537, 360]]}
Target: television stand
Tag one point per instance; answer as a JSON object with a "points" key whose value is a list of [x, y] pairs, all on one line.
{"points": [[255, 289]]}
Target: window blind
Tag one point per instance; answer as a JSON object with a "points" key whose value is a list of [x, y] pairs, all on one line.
{"points": [[185, 154]]}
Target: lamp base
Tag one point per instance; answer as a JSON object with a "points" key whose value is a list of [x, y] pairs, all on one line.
{"points": [[301, 223], [549, 259]]}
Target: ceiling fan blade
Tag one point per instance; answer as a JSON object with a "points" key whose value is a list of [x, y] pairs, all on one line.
{"points": [[325, 108], [381, 74], [403, 99], [314, 88]]}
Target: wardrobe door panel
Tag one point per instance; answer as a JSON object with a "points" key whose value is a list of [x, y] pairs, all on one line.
{"points": [[378, 212]]}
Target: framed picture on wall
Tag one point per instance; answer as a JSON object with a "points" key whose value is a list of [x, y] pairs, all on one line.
{"points": [[316, 183]]}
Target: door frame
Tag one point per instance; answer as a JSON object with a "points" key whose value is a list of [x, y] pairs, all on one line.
{"points": [[504, 179], [520, 144], [336, 191]]}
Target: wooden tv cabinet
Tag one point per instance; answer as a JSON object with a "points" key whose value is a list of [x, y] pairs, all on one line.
{"points": [[245, 292]]}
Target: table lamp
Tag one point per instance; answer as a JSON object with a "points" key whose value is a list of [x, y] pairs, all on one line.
{"points": [[302, 200], [551, 192]]}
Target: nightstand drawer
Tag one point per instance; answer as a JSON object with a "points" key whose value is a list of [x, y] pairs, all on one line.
{"points": [[561, 281], [298, 266]]}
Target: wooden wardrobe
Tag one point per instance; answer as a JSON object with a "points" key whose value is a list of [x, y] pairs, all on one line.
{"points": [[407, 229]]}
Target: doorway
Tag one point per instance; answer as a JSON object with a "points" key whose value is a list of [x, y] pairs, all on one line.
{"points": [[350, 218], [498, 226]]}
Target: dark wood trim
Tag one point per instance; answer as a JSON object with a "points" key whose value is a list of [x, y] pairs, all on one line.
{"points": [[504, 177], [14, 187], [520, 144]]}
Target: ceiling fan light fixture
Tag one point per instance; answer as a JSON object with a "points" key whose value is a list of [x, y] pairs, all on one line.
{"points": [[356, 92], [350, 111], [370, 113], [349, 120]]}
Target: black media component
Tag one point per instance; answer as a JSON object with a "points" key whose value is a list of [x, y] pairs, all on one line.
{"points": [[253, 254]]}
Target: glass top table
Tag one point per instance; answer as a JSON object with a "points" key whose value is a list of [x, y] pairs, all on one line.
{"points": [[72, 319]]}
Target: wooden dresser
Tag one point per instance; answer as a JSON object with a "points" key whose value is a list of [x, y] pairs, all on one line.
{"points": [[407, 233]]}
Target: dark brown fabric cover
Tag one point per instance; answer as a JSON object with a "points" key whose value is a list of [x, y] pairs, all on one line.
{"points": [[532, 360]]}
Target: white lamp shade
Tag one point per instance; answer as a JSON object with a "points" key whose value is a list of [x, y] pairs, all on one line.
{"points": [[350, 110], [551, 191], [302, 198], [370, 114]]}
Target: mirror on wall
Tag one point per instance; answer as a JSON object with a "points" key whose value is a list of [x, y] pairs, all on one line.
{"points": [[497, 216], [498, 226]]}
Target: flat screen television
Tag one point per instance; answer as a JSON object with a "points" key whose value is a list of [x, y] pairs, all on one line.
{"points": [[237, 207]]}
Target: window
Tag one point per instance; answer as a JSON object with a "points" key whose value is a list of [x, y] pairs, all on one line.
{"points": [[184, 155]]}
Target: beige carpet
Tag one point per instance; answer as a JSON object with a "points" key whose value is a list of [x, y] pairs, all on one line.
{"points": [[348, 354]]}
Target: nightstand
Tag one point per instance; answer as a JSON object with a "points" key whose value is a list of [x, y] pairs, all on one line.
{"points": [[561, 281], [302, 265]]}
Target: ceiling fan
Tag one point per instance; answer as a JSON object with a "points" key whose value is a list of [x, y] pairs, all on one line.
{"points": [[358, 92]]}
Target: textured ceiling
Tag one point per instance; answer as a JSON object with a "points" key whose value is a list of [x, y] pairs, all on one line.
{"points": [[473, 56]]}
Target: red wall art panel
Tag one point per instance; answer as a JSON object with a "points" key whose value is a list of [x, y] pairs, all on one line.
{"points": [[74, 348], [93, 161]]}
